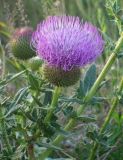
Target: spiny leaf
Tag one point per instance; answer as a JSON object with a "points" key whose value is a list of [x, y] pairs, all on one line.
{"points": [[90, 78], [17, 99]]}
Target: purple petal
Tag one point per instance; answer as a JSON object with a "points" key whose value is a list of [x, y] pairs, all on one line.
{"points": [[66, 42]]}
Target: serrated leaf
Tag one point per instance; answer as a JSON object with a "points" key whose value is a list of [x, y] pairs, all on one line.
{"points": [[80, 90], [33, 82], [11, 78], [90, 78], [98, 100], [86, 119], [17, 99], [47, 98], [69, 112], [71, 100]]}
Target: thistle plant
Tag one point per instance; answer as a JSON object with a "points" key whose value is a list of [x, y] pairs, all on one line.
{"points": [[55, 43], [62, 96]]}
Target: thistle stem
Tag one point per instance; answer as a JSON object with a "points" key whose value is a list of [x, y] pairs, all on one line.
{"points": [[107, 119], [56, 94], [90, 94], [3, 60]]}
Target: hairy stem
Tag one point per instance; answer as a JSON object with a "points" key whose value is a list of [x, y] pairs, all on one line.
{"points": [[107, 119], [90, 94], [56, 94]]}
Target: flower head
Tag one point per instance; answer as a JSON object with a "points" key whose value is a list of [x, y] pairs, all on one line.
{"points": [[65, 42], [20, 43]]}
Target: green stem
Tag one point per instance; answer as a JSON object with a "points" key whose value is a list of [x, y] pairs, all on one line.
{"points": [[107, 119], [56, 94], [90, 94], [97, 83], [103, 73], [3, 60]]}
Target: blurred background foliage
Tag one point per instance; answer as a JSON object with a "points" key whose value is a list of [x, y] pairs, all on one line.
{"points": [[24, 12]]}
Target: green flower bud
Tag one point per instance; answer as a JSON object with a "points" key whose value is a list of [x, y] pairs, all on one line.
{"points": [[20, 43], [60, 77], [35, 63]]}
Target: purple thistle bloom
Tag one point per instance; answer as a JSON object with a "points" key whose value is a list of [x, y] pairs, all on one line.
{"points": [[66, 42]]}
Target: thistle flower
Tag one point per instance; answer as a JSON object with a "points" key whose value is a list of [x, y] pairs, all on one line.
{"points": [[66, 43], [20, 43]]}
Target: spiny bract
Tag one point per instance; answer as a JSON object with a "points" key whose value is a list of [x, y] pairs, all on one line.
{"points": [[20, 43]]}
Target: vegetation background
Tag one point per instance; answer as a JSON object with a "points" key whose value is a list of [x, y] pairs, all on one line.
{"points": [[23, 92]]}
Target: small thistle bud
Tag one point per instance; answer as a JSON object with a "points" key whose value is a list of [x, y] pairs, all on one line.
{"points": [[61, 78], [20, 43], [35, 63]]}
